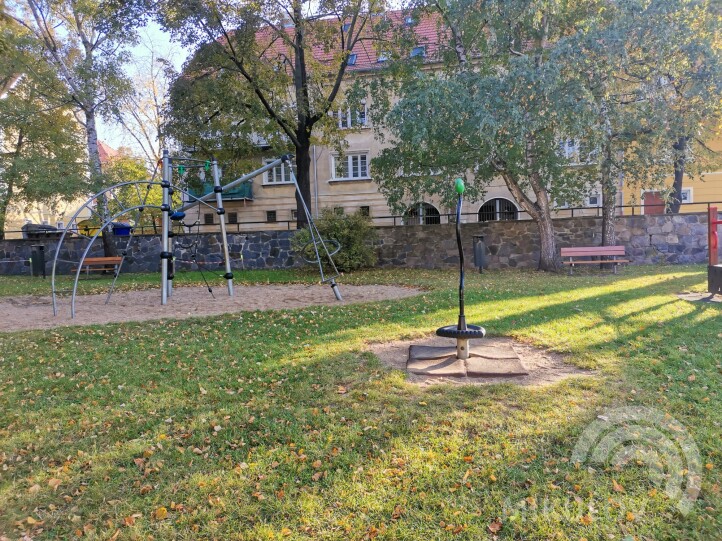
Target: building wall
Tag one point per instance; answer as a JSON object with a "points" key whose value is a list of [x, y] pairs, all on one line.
{"points": [[704, 189]]}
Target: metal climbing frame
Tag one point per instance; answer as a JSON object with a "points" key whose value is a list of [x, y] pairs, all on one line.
{"points": [[317, 240], [166, 255]]}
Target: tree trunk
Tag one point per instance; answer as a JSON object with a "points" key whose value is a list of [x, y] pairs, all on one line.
{"points": [[609, 198], [540, 212], [303, 177], [4, 202], [96, 176], [609, 215], [548, 260], [680, 148]]}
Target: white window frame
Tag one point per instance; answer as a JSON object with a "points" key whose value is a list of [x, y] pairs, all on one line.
{"points": [[689, 192], [571, 150], [599, 200], [345, 117], [352, 59], [267, 174], [349, 157]]}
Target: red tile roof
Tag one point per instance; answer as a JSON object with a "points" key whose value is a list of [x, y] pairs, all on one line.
{"points": [[427, 29], [106, 153]]}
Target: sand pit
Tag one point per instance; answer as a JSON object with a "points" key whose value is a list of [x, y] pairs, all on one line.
{"points": [[31, 312], [543, 367]]}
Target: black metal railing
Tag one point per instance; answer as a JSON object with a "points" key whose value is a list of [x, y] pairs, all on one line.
{"points": [[397, 220]]}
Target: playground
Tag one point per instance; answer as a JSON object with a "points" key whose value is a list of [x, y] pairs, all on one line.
{"points": [[285, 423], [36, 312]]}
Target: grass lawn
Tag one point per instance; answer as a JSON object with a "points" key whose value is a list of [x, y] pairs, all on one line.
{"points": [[277, 425]]}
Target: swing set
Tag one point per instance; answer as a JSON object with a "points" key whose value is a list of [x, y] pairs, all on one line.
{"points": [[175, 201]]}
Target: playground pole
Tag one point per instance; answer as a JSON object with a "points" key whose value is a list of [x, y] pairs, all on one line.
{"points": [[218, 190], [713, 222], [165, 208]]}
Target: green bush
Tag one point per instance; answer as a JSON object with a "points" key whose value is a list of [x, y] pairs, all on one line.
{"points": [[354, 232]]}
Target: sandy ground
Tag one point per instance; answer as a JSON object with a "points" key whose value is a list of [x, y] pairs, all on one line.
{"points": [[31, 312], [544, 367]]}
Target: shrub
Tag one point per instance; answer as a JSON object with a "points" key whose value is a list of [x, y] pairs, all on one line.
{"points": [[354, 232]]}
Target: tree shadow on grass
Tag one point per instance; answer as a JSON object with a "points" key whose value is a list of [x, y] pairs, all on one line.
{"points": [[277, 421]]}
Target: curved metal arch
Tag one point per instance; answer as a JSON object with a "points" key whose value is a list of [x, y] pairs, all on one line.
{"points": [[90, 244], [104, 225]]}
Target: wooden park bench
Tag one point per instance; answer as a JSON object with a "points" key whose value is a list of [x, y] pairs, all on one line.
{"points": [[100, 264], [580, 256]]}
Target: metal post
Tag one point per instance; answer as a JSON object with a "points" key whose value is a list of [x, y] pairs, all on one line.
{"points": [[713, 242], [222, 215], [165, 208]]}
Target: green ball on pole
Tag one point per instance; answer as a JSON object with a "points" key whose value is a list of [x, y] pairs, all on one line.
{"points": [[459, 186]]}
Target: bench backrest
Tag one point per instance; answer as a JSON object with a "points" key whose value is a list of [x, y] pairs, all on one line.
{"points": [[592, 251], [101, 260]]}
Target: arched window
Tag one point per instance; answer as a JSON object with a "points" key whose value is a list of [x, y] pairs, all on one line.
{"points": [[498, 209], [422, 214]]}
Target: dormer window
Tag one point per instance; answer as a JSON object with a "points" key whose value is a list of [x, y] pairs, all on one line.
{"points": [[345, 27], [383, 56], [352, 59], [409, 20], [419, 51]]}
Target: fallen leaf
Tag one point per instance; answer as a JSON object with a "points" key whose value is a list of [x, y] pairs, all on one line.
{"points": [[398, 511], [129, 521], [316, 476], [317, 464], [586, 520], [54, 483], [617, 487], [629, 516], [285, 532], [203, 391], [34, 489], [32, 521], [342, 390], [495, 526], [160, 514]]}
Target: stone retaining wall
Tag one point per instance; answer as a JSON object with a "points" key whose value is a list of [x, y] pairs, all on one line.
{"points": [[680, 238], [262, 250]]}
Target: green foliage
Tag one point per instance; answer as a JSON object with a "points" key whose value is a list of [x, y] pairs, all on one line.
{"points": [[42, 151], [84, 43], [265, 74], [354, 232], [128, 168]]}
